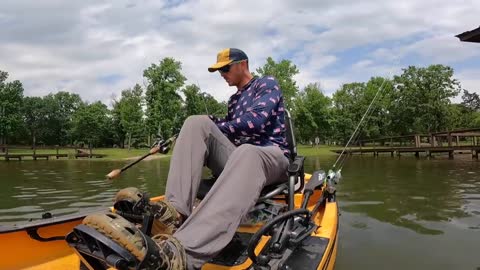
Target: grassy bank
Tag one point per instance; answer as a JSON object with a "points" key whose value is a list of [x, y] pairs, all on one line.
{"points": [[321, 150], [111, 153], [120, 154]]}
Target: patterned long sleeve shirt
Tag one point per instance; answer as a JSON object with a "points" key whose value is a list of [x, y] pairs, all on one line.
{"points": [[256, 115]]}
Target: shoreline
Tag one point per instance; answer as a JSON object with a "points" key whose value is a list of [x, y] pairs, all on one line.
{"points": [[152, 157]]}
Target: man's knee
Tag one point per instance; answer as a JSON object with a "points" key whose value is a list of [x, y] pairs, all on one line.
{"points": [[197, 121], [248, 151]]}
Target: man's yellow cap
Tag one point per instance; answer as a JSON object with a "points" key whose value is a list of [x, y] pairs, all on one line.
{"points": [[226, 57]]}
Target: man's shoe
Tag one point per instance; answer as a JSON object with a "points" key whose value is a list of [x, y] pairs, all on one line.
{"points": [[171, 252], [133, 204]]}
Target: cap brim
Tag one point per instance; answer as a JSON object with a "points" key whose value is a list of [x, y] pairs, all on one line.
{"points": [[219, 65]]}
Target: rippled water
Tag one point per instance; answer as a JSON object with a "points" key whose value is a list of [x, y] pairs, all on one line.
{"points": [[409, 214], [395, 213], [30, 188]]}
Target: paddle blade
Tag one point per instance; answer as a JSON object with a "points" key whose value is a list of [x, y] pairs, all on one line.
{"points": [[316, 180], [114, 174]]}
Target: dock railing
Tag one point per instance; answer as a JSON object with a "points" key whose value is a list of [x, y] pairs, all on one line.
{"points": [[32, 152], [459, 140]]}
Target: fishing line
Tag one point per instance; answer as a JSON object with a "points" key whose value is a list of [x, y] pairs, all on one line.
{"points": [[354, 134], [203, 97]]}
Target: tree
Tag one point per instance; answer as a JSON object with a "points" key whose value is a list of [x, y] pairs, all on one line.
{"points": [[11, 98], [379, 119], [214, 107], [345, 111], [66, 105], [197, 102], [312, 114], [91, 123], [283, 71], [465, 114], [118, 132], [58, 112], [471, 100], [34, 117], [460, 116], [351, 102], [194, 104], [130, 114], [162, 99], [422, 97]]}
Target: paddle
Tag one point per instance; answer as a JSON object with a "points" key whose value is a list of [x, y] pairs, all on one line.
{"points": [[315, 181], [160, 146]]}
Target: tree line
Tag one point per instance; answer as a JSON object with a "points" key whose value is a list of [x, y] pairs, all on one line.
{"points": [[416, 101]]}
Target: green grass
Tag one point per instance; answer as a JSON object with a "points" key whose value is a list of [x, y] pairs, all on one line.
{"points": [[111, 153], [321, 150], [119, 153], [41, 151]]}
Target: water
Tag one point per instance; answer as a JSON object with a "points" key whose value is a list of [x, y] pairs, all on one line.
{"points": [[409, 214], [395, 213], [30, 188]]}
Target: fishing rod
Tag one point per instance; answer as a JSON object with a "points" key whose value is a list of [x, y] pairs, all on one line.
{"points": [[336, 175], [356, 132], [202, 94], [160, 146]]}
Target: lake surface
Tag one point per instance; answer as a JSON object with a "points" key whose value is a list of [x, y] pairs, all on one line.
{"points": [[395, 213]]}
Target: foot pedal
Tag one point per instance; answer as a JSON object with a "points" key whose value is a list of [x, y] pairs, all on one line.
{"points": [[131, 249]]}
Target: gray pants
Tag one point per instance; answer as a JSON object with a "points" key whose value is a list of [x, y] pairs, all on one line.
{"points": [[243, 172]]}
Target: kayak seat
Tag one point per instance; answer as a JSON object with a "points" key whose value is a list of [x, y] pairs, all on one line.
{"points": [[282, 191]]}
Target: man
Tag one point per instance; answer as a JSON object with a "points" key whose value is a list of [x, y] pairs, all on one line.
{"points": [[247, 150]]}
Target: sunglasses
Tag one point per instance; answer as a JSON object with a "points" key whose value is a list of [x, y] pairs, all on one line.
{"points": [[226, 68]]}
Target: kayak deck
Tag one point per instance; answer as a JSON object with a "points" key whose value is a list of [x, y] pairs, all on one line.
{"points": [[316, 252]]}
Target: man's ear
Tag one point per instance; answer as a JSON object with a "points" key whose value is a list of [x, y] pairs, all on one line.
{"points": [[245, 65]]}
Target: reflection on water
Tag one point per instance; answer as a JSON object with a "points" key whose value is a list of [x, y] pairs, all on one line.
{"points": [[408, 213], [395, 213], [28, 189], [412, 193]]}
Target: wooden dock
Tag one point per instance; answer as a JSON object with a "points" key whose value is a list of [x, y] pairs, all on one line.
{"points": [[79, 153], [33, 156], [87, 154], [428, 151], [447, 142]]}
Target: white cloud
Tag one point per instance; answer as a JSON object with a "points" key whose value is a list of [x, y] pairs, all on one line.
{"points": [[56, 45], [363, 63], [470, 80], [440, 48]]}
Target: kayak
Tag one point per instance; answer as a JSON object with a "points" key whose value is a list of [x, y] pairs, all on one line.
{"points": [[309, 233]]}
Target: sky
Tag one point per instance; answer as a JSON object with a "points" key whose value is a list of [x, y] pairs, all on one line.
{"points": [[99, 48]]}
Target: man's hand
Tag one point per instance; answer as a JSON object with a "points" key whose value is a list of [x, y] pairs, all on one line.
{"points": [[213, 118]]}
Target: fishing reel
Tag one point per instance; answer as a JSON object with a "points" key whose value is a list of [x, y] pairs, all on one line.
{"points": [[163, 145], [335, 176], [331, 180]]}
